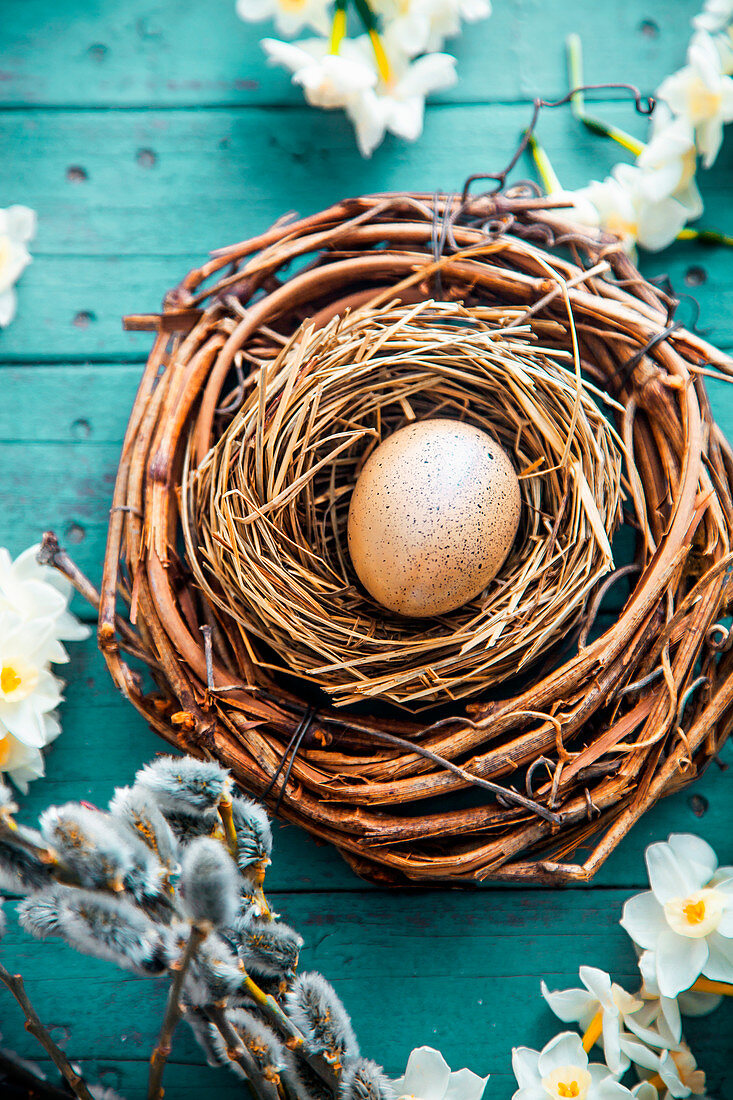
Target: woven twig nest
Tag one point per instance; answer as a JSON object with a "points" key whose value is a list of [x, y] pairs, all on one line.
{"points": [[276, 367], [265, 513]]}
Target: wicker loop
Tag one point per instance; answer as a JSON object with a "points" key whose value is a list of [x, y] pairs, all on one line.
{"points": [[596, 735]]}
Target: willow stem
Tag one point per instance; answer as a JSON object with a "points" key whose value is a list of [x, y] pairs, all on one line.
{"points": [[593, 1031], [237, 1052], [705, 985], [173, 1011], [294, 1038], [227, 820], [76, 1083], [577, 101]]}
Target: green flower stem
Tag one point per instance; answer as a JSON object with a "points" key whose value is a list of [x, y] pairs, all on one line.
{"points": [[173, 1011], [369, 19], [577, 102], [338, 27], [76, 1083], [705, 236], [550, 182]]}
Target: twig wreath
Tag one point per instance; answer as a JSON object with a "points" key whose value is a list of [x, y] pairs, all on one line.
{"points": [[221, 457], [169, 881]]}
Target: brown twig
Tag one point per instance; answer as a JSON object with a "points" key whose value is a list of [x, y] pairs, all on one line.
{"points": [[173, 1010], [76, 1083]]}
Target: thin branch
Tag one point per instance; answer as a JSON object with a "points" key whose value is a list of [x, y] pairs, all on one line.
{"points": [[237, 1052], [173, 1011], [33, 1025]]}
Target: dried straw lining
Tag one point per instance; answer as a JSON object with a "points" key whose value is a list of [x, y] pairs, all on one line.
{"points": [[635, 714], [264, 514]]}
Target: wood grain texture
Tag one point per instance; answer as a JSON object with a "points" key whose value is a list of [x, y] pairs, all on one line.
{"points": [[186, 141]]}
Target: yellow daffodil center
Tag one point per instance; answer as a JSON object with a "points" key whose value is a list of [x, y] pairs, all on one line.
{"points": [[695, 916], [567, 1083], [9, 679], [292, 5], [17, 681], [621, 227], [702, 102]]}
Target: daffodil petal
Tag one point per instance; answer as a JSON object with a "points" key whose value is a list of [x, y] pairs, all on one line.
{"points": [[525, 1066], [669, 876], [570, 1005], [565, 1049], [680, 961], [465, 1085], [697, 852], [427, 1074], [643, 918], [719, 965]]}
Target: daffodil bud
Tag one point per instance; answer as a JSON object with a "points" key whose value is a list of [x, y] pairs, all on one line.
{"points": [[210, 882], [363, 1079], [101, 925], [184, 785], [315, 1008], [270, 948]]}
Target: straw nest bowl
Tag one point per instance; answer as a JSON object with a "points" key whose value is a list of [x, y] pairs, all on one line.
{"points": [[265, 513], [572, 693]]}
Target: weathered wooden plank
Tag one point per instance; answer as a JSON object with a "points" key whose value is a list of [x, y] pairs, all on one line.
{"points": [[220, 175], [175, 55], [460, 972]]}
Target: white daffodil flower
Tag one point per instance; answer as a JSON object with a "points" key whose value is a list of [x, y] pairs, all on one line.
{"points": [[561, 1070], [600, 1009], [626, 209], [669, 163], [36, 591], [17, 227], [701, 94], [290, 16], [679, 1072], [28, 690], [715, 16], [24, 763], [328, 80], [428, 1077], [420, 26], [668, 1009], [398, 106], [686, 919]]}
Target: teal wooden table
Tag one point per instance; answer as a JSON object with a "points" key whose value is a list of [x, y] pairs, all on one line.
{"points": [[145, 132]]}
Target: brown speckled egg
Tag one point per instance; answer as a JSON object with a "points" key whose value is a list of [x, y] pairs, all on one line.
{"points": [[432, 517]]}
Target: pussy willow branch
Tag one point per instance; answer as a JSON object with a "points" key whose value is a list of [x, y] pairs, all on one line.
{"points": [[173, 1010], [237, 1052], [14, 983]]}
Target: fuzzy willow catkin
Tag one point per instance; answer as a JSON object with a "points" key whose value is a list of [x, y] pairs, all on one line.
{"points": [[193, 909]]}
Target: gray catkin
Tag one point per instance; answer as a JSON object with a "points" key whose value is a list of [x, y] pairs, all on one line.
{"points": [[137, 807], [22, 872], [314, 1007], [101, 925], [210, 882], [90, 842], [269, 948], [184, 785], [363, 1079], [254, 835]]}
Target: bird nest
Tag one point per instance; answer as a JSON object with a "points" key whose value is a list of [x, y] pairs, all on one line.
{"points": [[595, 686], [265, 513]]}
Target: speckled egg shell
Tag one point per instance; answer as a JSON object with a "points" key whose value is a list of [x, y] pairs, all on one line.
{"points": [[432, 517]]}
